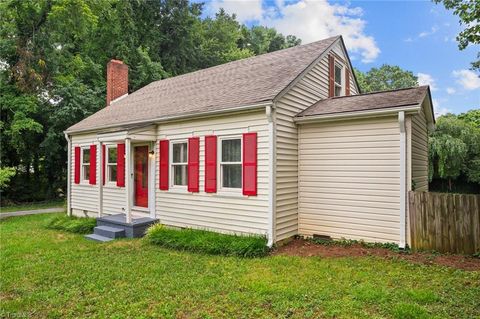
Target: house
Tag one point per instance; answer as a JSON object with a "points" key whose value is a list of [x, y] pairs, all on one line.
{"points": [[280, 144]]}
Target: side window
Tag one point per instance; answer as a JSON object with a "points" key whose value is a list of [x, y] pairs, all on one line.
{"points": [[85, 164], [111, 163], [179, 163], [231, 163], [338, 79]]}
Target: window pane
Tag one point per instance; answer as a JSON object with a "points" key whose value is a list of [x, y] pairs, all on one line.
{"points": [[86, 171], [338, 90], [231, 151], [338, 74], [112, 155], [232, 175], [112, 173], [180, 175], [179, 153], [86, 156]]}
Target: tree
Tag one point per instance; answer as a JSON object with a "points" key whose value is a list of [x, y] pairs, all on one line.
{"points": [[53, 57], [387, 77], [469, 13], [472, 116], [454, 150], [260, 40]]}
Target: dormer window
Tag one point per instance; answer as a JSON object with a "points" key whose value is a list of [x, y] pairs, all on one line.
{"points": [[338, 79]]}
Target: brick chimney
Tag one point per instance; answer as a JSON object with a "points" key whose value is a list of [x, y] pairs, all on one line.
{"points": [[117, 80]]}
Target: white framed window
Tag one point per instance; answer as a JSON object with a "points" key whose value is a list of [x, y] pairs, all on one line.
{"points": [[85, 164], [179, 163], [338, 79], [231, 163], [111, 163]]}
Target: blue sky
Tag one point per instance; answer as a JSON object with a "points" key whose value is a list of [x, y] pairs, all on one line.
{"points": [[416, 35]]}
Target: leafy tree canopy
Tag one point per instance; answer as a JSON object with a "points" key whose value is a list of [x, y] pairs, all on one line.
{"points": [[386, 77], [454, 149], [53, 57]]}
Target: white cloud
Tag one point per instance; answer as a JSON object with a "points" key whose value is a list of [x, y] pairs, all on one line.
{"points": [[426, 79], [469, 80], [438, 110], [310, 20], [424, 34], [246, 10], [451, 90]]}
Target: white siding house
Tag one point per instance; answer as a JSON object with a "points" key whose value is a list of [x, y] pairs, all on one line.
{"points": [[278, 145]]}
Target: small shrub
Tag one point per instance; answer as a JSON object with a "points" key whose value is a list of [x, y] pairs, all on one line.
{"points": [[72, 224], [202, 241]]}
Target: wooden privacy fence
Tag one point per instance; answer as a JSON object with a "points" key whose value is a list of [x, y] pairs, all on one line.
{"points": [[445, 222]]}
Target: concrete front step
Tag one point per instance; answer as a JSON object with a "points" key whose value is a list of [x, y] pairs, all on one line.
{"points": [[110, 232], [99, 238]]}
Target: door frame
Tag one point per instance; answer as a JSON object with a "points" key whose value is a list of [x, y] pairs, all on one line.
{"points": [[151, 178]]}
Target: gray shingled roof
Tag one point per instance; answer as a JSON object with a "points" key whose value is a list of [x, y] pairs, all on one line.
{"points": [[365, 102], [227, 86]]}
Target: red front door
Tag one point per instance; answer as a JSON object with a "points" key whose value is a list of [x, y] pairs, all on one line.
{"points": [[141, 176]]}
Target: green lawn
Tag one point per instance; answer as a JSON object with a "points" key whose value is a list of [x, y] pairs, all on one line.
{"points": [[48, 273], [32, 206]]}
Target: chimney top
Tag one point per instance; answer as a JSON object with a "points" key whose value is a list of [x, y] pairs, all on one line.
{"points": [[117, 80]]}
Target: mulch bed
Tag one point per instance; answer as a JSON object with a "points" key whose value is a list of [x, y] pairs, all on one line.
{"points": [[305, 248]]}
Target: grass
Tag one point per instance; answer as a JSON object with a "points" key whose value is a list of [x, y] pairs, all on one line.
{"points": [[201, 241], [52, 274], [32, 206], [351, 242], [72, 224]]}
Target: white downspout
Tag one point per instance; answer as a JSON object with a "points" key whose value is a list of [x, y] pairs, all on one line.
{"points": [[128, 184], [100, 177], [69, 173], [271, 176], [403, 178]]}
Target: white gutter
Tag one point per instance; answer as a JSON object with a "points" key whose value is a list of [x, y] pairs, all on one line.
{"points": [[403, 178], [178, 117], [271, 177], [356, 114], [69, 173]]}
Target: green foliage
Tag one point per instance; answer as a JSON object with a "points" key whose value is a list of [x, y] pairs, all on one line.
{"points": [[472, 117], [387, 77], [454, 149], [72, 224], [468, 12], [202, 241], [53, 64], [6, 174]]}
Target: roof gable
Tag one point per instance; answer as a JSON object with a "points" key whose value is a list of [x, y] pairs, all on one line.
{"points": [[223, 87]]}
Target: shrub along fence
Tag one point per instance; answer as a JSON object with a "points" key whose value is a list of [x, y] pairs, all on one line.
{"points": [[448, 223]]}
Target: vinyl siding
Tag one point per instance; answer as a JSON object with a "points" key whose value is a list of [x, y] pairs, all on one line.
{"points": [[419, 149], [217, 211], [83, 196], [349, 179], [310, 89]]}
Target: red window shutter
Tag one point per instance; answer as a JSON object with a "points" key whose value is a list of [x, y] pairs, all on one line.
{"points": [[193, 164], [211, 164], [93, 164], [249, 168], [331, 76], [77, 165], [347, 81], [121, 165], [163, 181], [103, 164]]}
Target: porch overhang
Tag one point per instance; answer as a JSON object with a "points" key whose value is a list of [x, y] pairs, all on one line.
{"points": [[140, 134]]}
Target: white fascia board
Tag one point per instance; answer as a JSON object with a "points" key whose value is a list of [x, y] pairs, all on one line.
{"points": [[358, 114]]}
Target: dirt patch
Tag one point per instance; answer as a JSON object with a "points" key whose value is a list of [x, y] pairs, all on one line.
{"points": [[305, 248]]}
